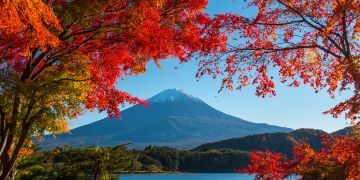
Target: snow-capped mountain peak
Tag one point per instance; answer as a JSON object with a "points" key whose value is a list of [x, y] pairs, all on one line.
{"points": [[172, 95]]}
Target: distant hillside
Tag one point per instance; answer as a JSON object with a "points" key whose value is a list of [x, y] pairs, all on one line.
{"points": [[276, 142], [228, 155], [173, 119], [345, 131]]}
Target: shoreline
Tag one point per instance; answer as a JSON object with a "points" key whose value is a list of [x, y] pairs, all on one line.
{"points": [[153, 172]]}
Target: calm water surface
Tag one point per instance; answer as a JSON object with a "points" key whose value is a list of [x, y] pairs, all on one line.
{"points": [[193, 176]]}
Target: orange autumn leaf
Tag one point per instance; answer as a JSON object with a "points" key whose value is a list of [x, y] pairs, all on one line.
{"points": [[30, 19]]}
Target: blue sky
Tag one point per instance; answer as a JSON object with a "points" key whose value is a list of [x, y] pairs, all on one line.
{"points": [[292, 107]]}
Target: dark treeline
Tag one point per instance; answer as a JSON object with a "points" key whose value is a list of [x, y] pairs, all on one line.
{"points": [[75, 163], [170, 159], [105, 163]]}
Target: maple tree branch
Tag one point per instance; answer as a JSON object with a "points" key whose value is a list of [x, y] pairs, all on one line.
{"points": [[68, 27], [2, 119], [277, 24], [38, 62], [66, 30], [345, 35], [27, 69], [90, 30], [323, 26], [5, 53], [85, 31], [177, 8], [73, 80], [90, 38], [30, 67], [53, 59], [273, 49], [3, 132], [236, 49], [10, 129], [88, 16], [354, 68], [50, 3], [328, 51], [38, 73], [312, 25], [107, 11], [29, 109]]}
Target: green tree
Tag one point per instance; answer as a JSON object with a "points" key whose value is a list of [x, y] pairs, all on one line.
{"points": [[168, 157], [91, 163]]}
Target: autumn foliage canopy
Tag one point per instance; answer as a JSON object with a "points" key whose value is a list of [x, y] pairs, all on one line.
{"points": [[105, 39], [339, 159], [313, 42], [60, 57]]}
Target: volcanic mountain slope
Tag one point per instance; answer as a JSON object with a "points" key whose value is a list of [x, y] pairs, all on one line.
{"points": [[173, 118]]}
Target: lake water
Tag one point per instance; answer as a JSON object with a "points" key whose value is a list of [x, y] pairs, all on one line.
{"points": [[192, 176]]}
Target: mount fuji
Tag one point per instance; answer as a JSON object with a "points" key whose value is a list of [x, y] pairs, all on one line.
{"points": [[173, 118]]}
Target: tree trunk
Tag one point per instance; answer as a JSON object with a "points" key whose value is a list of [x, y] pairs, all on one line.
{"points": [[7, 161], [12, 136]]}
